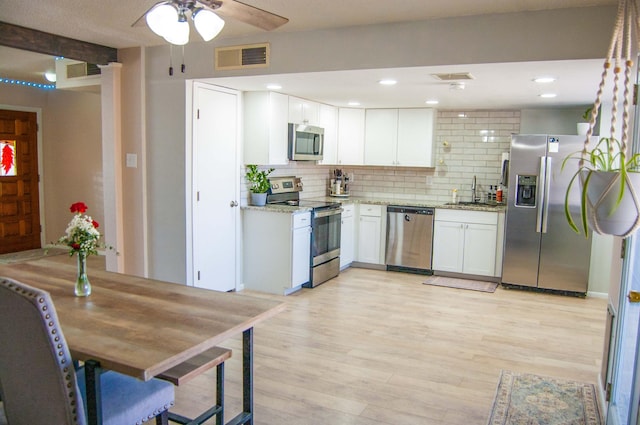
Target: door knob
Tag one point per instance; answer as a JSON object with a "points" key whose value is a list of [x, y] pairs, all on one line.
{"points": [[634, 296], [233, 204]]}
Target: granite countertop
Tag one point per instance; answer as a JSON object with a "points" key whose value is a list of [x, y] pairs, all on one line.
{"points": [[411, 203], [288, 209], [377, 201]]}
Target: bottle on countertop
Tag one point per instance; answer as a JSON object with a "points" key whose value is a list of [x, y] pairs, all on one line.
{"points": [[489, 194], [499, 194]]}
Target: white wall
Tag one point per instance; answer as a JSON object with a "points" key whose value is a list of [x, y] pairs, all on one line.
{"points": [[551, 121]]}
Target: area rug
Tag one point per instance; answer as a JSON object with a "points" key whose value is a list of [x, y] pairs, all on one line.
{"points": [[450, 282], [525, 399]]}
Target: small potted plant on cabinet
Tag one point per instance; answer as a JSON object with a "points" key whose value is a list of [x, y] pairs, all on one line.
{"points": [[583, 126], [259, 180]]}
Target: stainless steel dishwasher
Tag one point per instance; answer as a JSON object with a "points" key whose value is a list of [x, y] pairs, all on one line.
{"points": [[409, 239]]}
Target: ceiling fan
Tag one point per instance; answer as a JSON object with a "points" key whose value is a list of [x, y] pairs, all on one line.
{"points": [[168, 18]]}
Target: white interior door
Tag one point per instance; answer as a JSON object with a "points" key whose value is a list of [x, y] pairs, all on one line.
{"points": [[215, 185]]}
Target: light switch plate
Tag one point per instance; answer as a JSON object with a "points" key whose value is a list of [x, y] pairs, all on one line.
{"points": [[132, 160]]}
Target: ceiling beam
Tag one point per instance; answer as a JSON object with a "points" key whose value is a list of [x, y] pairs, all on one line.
{"points": [[55, 45]]}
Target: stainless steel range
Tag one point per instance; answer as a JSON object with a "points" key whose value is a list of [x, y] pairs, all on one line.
{"points": [[324, 263]]}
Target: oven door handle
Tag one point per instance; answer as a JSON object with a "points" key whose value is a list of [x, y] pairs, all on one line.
{"points": [[326, 213]]}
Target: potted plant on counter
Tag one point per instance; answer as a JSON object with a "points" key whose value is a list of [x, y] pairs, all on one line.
{"points": [[259, 180]]}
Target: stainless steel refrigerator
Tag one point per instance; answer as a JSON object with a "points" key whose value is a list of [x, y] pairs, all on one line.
{"points": [[541, 250]]}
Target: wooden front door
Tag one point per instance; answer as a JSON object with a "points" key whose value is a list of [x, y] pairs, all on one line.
{"points": [[19, 201]]}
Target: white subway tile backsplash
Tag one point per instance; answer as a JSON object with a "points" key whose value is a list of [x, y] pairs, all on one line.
{"points": [[469, 152]]}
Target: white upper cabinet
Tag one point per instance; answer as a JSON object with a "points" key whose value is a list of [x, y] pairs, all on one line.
{"points": [[381, 136], [303, 111], [415, 137], [265, 128], [351, 136], [400, 137], [329, 121]]}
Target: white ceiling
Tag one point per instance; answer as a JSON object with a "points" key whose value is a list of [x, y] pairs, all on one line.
{"points": [[497, 85]]}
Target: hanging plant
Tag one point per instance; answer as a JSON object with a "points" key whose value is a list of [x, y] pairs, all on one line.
{"points": [[609, 177]]}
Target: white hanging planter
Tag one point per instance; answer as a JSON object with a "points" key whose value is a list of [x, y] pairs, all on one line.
{"points": [[609, 173], [605, 215]]}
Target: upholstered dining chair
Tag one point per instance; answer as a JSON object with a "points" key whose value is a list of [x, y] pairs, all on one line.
{"points": [[39, 383]]}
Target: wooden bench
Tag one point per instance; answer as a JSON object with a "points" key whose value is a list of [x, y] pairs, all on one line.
{"points": [[184, 372]]}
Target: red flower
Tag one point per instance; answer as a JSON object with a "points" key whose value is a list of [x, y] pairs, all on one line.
{"points": [[78, 207], [75, 245], [95, 224]]}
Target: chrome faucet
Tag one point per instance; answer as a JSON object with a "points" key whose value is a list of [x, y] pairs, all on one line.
{"points": [[474, 198]]}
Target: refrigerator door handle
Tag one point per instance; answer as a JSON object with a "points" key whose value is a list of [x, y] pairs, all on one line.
{"points": [[541, 193], [547, 191]]}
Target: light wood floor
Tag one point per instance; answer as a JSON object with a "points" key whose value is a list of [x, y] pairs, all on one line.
{"points": [[373, 348]]}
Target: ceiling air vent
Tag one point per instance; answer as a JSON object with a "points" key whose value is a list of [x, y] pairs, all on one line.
{"points": [[453, 76], [82, 69], [242, 57]]}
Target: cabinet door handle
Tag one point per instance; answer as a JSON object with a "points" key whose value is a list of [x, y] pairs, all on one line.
{"points": [[233, 204]]}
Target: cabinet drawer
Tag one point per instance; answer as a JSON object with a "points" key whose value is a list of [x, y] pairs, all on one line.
{"points": [[371, 210], [462, 216], [347, 210], [301, 220]]}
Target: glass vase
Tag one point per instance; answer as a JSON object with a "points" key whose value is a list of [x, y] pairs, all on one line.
{"points": [[83, 287]]}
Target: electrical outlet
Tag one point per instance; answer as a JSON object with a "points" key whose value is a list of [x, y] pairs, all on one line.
{"points": [[132, 160]]}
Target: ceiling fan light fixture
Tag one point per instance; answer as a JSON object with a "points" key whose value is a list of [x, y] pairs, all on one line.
{"points": [[162, 17], [50, 76], [177, 33], [207, 23]]}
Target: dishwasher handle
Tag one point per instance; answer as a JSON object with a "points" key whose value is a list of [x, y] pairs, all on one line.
{"points": [[410, 210]]}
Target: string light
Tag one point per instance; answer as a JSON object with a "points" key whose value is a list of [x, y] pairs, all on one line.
{"points": [[15, 82]]}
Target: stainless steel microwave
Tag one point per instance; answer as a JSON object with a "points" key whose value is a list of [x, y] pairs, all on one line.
{"points": [[306, 142]]}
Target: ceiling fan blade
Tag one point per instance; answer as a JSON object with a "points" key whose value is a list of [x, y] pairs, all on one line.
{"points": [[248, 14]]}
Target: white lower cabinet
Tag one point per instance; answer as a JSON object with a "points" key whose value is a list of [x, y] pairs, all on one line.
{"points": [[465, 241], [370, 231], [277, 250], [347, 236]]}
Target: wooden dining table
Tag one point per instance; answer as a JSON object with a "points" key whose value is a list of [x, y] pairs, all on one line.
{"points": [[143, 327]]}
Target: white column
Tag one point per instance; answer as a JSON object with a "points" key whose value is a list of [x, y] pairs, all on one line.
{"points": [[112, 165]]}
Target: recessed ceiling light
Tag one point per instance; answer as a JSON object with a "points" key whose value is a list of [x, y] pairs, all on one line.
{"points": [[544, 80], [354, 103], [274, 86], [432, 102], [548, 95], [388, 82]]}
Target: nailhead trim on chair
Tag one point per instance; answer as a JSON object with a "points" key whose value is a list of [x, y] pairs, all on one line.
{"points": [[71, 395]]}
